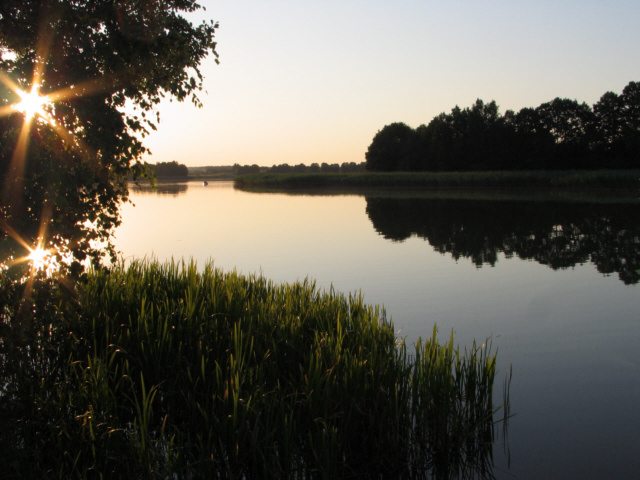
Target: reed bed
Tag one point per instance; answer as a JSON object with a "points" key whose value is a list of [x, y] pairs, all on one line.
{"points": [[170, 371], [549, 179]]}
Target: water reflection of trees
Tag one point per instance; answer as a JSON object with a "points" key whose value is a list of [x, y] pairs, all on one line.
{"points": [[170, 189], [555, 233]]}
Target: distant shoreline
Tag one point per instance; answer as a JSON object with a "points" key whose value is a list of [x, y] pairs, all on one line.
{"points": [[211, 177], [561, 179]]}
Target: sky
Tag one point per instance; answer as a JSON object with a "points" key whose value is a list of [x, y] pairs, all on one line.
{"points": [[303, 81]]}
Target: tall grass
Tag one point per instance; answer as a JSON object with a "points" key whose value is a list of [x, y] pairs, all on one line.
{"points": [[167, 371], [552, 179]]}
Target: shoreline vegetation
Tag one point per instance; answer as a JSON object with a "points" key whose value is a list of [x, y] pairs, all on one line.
{"points": [[172, 371], [542, 179], [560, 134]]}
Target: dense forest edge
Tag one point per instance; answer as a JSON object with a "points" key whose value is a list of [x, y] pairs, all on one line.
{"points": [[557, 135], [178, 371]]}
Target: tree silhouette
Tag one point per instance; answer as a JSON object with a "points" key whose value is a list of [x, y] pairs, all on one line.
{"points": [[66, 161], [560, 134], [170, 169], [389, 149]]}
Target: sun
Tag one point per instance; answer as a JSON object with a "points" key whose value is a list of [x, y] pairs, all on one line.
{"points": [[32, 104], [43, 260], [38, 257]]}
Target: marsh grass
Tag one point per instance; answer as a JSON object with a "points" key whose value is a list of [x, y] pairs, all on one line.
{"points": [[168, 371], [547, 179]]}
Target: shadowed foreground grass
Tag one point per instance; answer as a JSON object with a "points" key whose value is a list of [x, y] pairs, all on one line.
{"points": [[167, 371]]}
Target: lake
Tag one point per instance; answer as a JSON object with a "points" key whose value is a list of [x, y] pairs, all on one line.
{"points": [[552, 279]]}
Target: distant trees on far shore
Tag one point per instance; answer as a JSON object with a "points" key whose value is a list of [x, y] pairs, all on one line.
{"points": [[345, 167], [170, 169], [560, 134]]}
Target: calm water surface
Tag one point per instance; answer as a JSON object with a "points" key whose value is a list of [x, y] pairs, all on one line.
{"points": [[553, 282]]}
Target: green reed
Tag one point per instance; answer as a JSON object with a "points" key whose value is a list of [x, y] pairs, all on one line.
{"points": [[167, 371]]}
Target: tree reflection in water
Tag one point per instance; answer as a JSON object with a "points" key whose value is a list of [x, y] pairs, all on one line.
{"points": [[557, 233], [169, 189]]}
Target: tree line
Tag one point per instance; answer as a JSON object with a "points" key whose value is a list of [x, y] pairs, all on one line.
{"points": [[345, 167], [170, 169], [560, 134]]}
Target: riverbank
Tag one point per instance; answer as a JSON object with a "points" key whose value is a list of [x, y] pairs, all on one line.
{"points": [[562, 179]]}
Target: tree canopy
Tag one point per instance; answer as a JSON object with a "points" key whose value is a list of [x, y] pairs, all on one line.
{"points": [[94, 73], [170, 169], [560, 134]]}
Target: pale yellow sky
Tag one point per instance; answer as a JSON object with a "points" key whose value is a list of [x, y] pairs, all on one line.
{"points": [[303, 82]]}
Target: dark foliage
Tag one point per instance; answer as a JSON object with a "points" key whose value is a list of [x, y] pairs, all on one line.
{"points": [[560, 134], [170, 169], [64, 173]]}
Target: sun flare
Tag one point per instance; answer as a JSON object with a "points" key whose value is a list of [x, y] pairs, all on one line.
{"points": [[42, 260], [32, 104]]}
